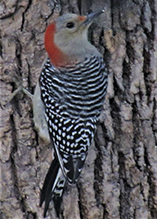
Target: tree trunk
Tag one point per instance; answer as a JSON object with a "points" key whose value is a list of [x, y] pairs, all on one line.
{"points": [[119, 179]]}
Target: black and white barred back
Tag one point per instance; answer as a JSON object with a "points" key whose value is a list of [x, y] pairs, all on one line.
{"points": [[73, 99]]}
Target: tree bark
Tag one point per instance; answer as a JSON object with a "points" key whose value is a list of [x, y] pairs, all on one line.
{"points": [[119, 179]]}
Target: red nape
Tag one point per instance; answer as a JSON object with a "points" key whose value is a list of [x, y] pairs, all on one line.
{"points": [[54, 53]]}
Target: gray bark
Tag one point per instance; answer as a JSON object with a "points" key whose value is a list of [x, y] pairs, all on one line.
{"points": [[119, 179]]}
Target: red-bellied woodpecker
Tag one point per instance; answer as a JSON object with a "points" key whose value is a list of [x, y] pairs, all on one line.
{"points": [[68, 100]]}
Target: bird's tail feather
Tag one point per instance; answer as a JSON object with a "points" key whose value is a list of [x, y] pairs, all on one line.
{"points": [[53, 187]]}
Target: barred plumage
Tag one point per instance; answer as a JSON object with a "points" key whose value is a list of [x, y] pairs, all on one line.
{"points": [[73, 105], [72, 109], [79, 90], [73, 86]]}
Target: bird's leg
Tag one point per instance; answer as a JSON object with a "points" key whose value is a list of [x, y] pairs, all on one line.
{"points": [[27, 93], [38, 108], [19, 89]]}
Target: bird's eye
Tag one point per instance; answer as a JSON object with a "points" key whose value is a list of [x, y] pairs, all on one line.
{"points": [[70, 25]]}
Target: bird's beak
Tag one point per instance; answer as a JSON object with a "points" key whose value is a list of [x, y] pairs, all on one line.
{"points": [[92, 16]]}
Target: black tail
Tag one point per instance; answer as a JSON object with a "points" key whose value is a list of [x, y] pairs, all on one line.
{"points": [[53, 187]]}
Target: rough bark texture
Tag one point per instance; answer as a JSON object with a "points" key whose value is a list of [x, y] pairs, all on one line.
{"points": [[119, 179]]}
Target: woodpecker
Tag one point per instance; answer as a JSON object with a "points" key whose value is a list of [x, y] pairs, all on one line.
{"points": [[68, 100]]}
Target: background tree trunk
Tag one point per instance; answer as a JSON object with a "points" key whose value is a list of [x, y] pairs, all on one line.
{"points": [[119, 179]]}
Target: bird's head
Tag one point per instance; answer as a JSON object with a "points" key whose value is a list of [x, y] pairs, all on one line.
{"points": [[66, 38]]}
